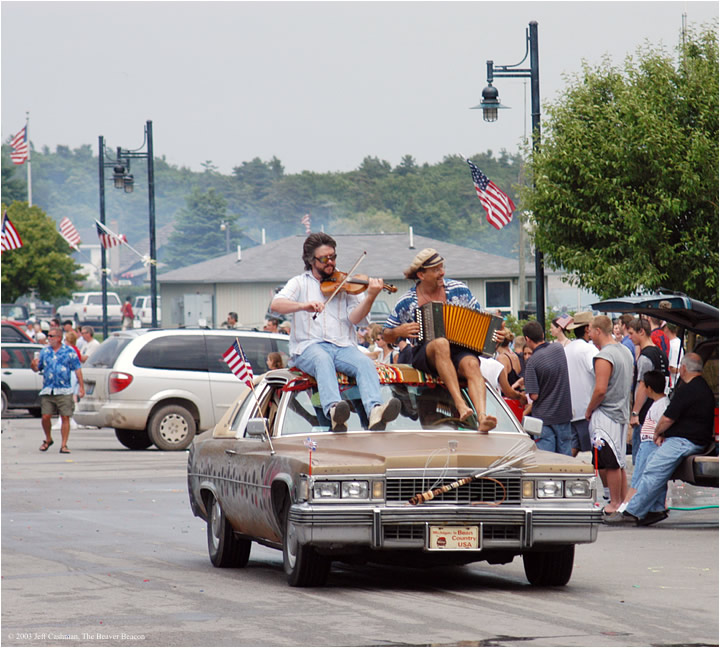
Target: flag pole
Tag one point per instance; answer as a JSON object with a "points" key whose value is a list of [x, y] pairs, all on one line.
{"points": [[29, 172], [143, 257], [251, 384]]}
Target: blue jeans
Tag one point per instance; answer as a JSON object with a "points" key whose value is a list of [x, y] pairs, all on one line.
{"points": [[635, 442], [556, 438], [323, 359], [652, 488], [645, 451]]}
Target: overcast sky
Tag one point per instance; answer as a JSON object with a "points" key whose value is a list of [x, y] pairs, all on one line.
{"points": [[320, 85]]}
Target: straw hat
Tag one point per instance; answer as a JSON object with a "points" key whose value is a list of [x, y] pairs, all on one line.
{"points": [[583, 318], [428, 258]]}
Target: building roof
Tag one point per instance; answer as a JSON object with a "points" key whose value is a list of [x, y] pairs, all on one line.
{"points": [[387, 256]]}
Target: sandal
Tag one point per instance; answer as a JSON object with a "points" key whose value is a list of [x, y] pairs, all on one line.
{"points": [[45, 445], [64, 450]]}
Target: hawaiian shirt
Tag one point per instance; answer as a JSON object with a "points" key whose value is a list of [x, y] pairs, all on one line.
{"points": [[57, 368], [456, 292]]}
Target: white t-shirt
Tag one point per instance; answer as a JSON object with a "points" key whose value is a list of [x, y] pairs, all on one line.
{"points": [[581, 375], [90, 348], [674, 358], [657, 409], [332, 325], [491, 369]]}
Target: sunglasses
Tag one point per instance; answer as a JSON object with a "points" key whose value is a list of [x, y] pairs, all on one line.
{"points": [[325, 258]]}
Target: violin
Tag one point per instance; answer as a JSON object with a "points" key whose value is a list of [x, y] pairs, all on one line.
{"points": [[353, 285]]}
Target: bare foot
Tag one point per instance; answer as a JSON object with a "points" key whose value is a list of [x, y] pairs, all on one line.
{"points": [[486, 422]]}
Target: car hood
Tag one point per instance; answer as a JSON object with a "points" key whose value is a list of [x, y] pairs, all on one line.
{"points": [[344, 453], [691, 314]]}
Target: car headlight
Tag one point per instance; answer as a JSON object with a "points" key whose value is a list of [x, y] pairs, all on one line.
{"points": [[355, 489], [326, 490], [578, 488], [550, 488]]}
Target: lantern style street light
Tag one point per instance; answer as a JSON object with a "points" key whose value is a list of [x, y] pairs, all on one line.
{"points": [[490, 105]]}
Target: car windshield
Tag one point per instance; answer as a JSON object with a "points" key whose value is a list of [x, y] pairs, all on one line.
{"points": [[106, 354], [422, 406]]}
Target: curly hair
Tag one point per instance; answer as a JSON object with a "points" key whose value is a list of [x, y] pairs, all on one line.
{"points": [[312, 243]]}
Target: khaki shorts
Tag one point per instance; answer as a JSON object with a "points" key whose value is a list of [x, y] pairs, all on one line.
{"points": [[61, 404]]}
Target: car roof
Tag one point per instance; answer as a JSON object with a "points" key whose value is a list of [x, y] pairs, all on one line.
{"points": [[691, 314], [198, 330], [23, 345]]}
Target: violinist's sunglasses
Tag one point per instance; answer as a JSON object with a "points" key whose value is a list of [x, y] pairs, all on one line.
{"points": [[326, 258]]}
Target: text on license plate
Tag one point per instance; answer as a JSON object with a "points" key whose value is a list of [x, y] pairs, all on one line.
{"points": [[454, 537]]}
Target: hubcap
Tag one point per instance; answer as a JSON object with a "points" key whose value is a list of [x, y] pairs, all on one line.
{"points": [[173, 428], [291, 544], [215, 521]]}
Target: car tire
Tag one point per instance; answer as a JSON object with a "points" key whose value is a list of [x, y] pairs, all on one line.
{"points": [[303, 566], [224, 547], [172, 428], [549, 568], [133, 439], [4, 403]]}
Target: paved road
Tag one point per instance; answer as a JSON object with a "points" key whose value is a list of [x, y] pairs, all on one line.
{"points": [[99, 548]]}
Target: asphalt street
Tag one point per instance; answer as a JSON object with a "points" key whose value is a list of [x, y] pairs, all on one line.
{"points": [[100, 548]]}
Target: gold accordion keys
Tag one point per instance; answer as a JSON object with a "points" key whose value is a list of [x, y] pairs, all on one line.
{"points": [[460, 325]]}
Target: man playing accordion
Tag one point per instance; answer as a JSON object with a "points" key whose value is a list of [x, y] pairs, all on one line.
{"points": [[440, 357]]}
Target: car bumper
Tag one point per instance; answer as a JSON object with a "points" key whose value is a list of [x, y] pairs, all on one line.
{"points": [[127, 415], [381, 527]]}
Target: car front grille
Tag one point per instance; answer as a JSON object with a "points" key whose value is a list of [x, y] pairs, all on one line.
{"points": [[493, 490], [416, 532]]}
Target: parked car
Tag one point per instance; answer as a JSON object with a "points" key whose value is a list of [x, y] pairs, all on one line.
{"points": [[160, 386], [142, 308], [250, 479], [379, 312], [700, 322], [37, 308], [20, 384], [13, 333], [86, 308], [16, 313]]}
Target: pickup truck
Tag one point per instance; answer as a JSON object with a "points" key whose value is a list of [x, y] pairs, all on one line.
{"points": [[86, 308]]}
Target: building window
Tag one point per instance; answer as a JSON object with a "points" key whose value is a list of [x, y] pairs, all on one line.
{"points": [[497, 294]]}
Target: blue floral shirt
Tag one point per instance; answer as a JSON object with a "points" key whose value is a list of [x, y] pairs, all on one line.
{"points": [[456, 292], [57, 368]]}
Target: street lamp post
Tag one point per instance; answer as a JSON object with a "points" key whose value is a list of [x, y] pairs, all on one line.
{"points": [[225, 227], [490, 105]]}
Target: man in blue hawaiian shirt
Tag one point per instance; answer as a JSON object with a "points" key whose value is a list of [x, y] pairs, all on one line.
{"points": [[57, 362], [439, 357]]}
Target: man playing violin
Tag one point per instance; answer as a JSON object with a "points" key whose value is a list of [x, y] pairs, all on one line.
{"points": [[323, 337], [439, 357]]}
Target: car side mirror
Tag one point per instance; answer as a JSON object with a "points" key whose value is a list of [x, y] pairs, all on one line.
{"points": [[532, 425], [256, 428]]}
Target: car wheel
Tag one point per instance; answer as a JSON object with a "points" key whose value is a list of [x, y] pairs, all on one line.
{"points": [[35, 411], [224, 547], [4, 403], [172, 428], [303, 565], [549, 568], [133, 439]]}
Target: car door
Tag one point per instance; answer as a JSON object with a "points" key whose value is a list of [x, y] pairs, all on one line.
{"points": [[24, 383]]}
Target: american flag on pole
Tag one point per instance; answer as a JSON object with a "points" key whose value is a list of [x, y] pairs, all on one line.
{"points": [[496, 202], [19, 144], [237, 361], [305, 220], [10, 238], [108, 238], [69, 233]]}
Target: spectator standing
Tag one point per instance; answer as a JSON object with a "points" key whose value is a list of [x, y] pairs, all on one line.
{"points": [[518, 347], [274, 360], [91, 344], [67, 326], [558, 328], [609, 407], [285, 327], [507, 357], [685, 428], [675, 355], [57, 362], [548, 385], [271, 325], [230, 321], [625, 320], [127, 314], [657, 336], [580, 354]]}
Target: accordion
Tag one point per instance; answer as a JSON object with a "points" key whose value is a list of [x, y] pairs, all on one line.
{"points": [[460, 325]]}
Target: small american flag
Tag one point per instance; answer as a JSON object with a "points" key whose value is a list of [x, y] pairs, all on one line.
{"points": [[496, 202], [310, 444], [108, 239], [19, 144], [306, 221], [10, 238], [236, 360], [69, 233]]}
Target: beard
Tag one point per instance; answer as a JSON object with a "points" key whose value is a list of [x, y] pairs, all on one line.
{"points": [[326, 275]]}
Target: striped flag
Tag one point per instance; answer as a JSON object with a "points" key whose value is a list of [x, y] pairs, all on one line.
{"points": [[237, 361], [10, 238], [19, 144], [69, 233], [305, 220], [496, 202], [108, 238]]}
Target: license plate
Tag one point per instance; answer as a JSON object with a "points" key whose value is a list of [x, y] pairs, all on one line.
{"points": [[443, 538]]}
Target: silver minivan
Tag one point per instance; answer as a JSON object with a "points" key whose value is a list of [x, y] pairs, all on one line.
{"points": [[162, 386]]}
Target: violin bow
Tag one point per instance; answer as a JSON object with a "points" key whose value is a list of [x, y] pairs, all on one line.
{"points": [[344, 281]]}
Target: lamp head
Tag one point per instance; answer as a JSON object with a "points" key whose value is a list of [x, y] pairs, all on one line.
{"points": [[490, 103]]}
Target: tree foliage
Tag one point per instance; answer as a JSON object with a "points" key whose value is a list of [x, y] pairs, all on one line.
{"points": [[43, 262], [626, 181]]}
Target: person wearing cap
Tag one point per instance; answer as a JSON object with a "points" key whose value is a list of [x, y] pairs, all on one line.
{"points": [[323, 337], [580, 354], [439, 357]]}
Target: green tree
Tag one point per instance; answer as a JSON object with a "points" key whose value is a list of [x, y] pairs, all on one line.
{"points": [[14, 186], [43, 262], [198, 233], [626, 180]]}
